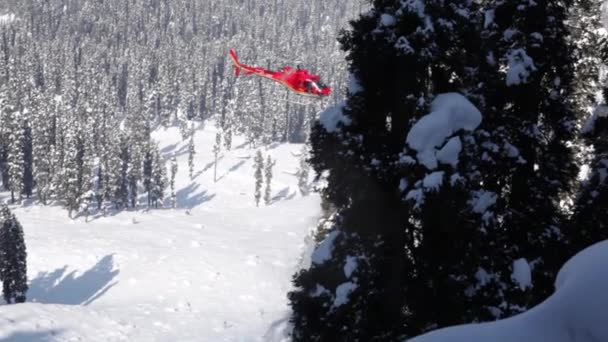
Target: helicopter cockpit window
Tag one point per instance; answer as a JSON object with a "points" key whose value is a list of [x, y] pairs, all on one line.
{"points": [[308, 84]]}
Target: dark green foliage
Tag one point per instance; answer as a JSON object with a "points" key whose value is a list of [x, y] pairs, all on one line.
{"points": [[28, 166], [530, 123], [589, 222], [401, 66], [445, 256], [13, 258], [258, 165]]}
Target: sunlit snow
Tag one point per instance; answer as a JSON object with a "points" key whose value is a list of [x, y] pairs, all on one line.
{"points": [[217, 268]]}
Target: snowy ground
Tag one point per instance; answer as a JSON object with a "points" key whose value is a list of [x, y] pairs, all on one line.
{"points": [[215, 269]]}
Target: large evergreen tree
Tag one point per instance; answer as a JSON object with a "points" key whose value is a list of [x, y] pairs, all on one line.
{"points": [[589, 222], [159, 180], [528, 132], [401, 56], [15, 154], [438, 240], [13, 267], [258, 174], [28, 162], [268, 179]]}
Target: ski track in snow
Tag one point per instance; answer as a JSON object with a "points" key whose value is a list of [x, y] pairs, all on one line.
{"points": [[217, 268]]}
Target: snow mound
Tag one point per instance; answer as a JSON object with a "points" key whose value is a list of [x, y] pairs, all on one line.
{"points": [[576, 312], [351, 265], [450, 152], [332, 116], [450, 113], [522, 273], [342, 293], [482, 200], [325, 248], [387, 20], [520, 67], [433, 181]]}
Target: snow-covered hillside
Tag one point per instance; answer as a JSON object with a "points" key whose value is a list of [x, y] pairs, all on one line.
{"points": [[216, 269]]}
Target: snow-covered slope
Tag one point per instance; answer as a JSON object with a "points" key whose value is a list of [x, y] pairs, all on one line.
{"points": [[216, 269], [576, 312]]}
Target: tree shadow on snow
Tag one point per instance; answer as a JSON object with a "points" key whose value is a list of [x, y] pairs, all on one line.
{"points": [[57, 287], [173, 151], [273, 145], [232, 169], [26, 202], [284, 195], [30, 336], [241, 145], [168, 149], [188, 197], [207, 167]]}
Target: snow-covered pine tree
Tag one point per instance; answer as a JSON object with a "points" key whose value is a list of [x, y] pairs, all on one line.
{"points": [[268, 178], [135, 172], [588, 36], [13, 258], [14, 154], [4, 132], [591, 47], [258, 166], [87, 199], [121, 173], [172, 182], [3, 165], [217, 148], [228, 125], [112, 166], [148, 173], [98, 187], [228, 139], [43, 117], [377, 275], [354, 288], [191, 153], [159, 179], [69, 188], [442, 175], [303, 172], [28, 163], [76, 172], [529, 126], [589, 222]]}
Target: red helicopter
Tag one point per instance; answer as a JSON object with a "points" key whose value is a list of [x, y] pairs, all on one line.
{"points": [[297, 80]]}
